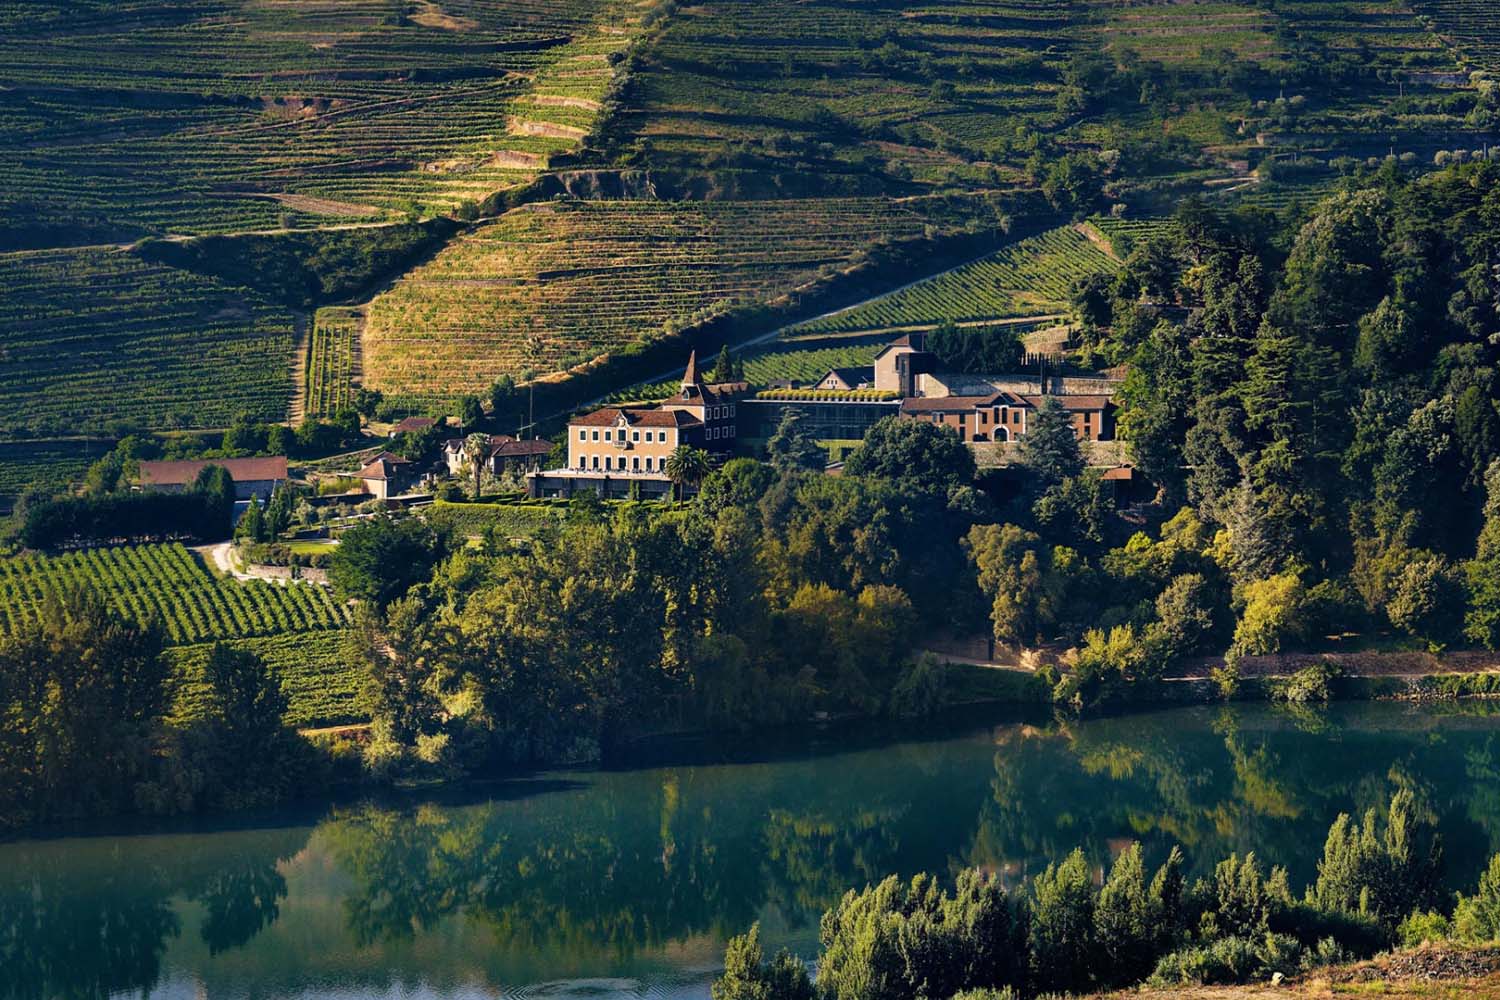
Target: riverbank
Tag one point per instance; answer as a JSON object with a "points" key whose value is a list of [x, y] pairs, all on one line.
{"points": [[1439, 971], [1407, 675]]}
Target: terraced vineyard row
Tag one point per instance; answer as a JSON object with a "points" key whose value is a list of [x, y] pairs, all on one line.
{"points": [[798, 362], [1029, 277], [94, 337], [322, 681], [942, 91], [549, 285], [1474, 24], [1124, 234], [44, 465], [330, 361], [165, 582], [195, 116]]}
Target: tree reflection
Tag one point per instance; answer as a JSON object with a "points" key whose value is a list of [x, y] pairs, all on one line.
{"points": [[240, 903], [91, 918]]}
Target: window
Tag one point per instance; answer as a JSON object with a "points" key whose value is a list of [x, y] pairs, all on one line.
{"points": [[583, 435], [648, 435], [596, 435], [731, 409], [596, 461], [635, 435], [648, 463], [635, 464], [984, 417]]}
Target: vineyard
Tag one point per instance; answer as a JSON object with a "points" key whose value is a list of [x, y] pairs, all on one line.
{"points": [[798, 362], [320, 678], [331, 361], [199, 116], [1475, 24], [167, 583], [1123, 235], [1028, 278], [943, 93], [44, 465], [95, 337], [551, 285]]}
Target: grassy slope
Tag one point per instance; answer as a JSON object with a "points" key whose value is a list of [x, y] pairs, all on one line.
{"points": [[1028, 278], [152, 117]]}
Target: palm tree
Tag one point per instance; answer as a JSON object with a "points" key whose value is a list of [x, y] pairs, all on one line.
{"points": [[476, 449], [687, 465]]}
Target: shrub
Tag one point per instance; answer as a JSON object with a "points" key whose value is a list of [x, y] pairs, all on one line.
{"points": [[1424, 928], [1310, 684], [1477, 917], [921, 690], [748, 976]]}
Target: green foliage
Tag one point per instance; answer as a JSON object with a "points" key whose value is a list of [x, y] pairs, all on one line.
{"points": [[921, 690], [914, 457], [1384, 871], [898, 940], [748, 976], [1050, 449], [1275, 613], [378, 559], [1477, 917], [792, 447], [1428, 601], [1011, 566], [82, 692], [303, 269], [1310, 684]]}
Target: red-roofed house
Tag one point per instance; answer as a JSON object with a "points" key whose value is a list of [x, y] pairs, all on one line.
{"points": [[386, 475], [619, 451], [253, 477], [504, 453]]}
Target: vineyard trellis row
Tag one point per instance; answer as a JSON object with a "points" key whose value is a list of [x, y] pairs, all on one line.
{"points": [[168, 584]]}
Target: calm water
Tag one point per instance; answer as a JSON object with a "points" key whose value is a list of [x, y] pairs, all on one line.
{"points": [[626, 883]]}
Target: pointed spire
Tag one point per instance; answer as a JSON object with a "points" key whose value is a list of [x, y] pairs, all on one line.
{"points": [[690, 380]]}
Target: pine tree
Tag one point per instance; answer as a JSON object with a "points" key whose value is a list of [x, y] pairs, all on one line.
{"points": [[724, 367], [792, 446], [1050, 448], [252, 526]]}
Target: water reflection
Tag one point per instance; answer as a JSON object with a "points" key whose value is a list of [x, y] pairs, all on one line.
{"points": [[635, 877]]}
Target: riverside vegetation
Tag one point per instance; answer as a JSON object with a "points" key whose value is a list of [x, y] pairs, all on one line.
{"points": [[1377, 885]]}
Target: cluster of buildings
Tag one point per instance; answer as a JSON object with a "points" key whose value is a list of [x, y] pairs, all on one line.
{"points": [[621, 451]]}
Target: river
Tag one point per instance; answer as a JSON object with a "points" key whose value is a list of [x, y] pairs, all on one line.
{"points": [[626, 882]]}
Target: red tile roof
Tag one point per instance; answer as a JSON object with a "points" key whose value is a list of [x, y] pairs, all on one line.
{"points": [[635, 417], [1076, 403], [242, 470], [383, 466], [414, 424], [510, 446], [961, 404]]}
